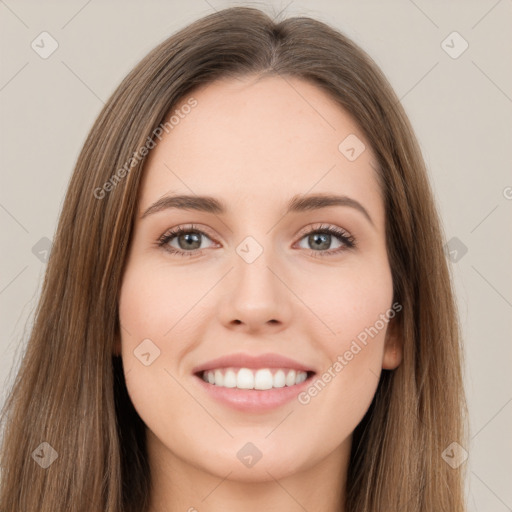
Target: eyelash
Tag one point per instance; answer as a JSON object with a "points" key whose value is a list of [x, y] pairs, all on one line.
{"points": [[349, 242]]}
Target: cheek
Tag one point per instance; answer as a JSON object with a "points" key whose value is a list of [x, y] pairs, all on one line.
{"points": [[357, 310], [349, 303], [155, 299], [157, 309], [146, 316]]}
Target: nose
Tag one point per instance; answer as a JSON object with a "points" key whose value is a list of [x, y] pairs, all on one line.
{"points": [[255, 297]]}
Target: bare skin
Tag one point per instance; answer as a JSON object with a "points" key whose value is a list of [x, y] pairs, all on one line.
{"points": [[254, 144]]}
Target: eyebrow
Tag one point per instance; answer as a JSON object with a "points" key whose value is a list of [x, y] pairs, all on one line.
{"points": [[212, 205]]}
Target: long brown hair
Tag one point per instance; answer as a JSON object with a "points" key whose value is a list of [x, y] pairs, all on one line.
{"points": [[70, 391]]}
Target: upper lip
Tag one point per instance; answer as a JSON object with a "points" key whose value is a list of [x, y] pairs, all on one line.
{"points": [[247, 361]]}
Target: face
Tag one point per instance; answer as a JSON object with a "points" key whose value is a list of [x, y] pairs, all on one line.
{"points": [[283, 286]]}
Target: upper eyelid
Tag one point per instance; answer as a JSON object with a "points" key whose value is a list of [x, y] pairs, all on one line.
{"points": [[187, 227], [320, 227]]}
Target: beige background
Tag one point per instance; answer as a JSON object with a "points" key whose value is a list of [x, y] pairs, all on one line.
{"points": [[461, 109]]}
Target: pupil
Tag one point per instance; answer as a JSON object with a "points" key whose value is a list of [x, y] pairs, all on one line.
{"points": [[324, 240], [189, 237]]}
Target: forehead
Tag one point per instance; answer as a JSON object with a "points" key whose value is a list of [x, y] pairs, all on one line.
{"points": [[261, 140]]}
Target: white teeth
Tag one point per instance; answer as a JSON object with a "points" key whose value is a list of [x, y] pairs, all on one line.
{"points": [[245, 378], [229, 379], [290, 378], [279, 379], [263, 379], [216, 378], [301, 377]]}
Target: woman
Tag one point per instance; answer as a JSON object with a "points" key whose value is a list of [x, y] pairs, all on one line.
{"points": [[304, 354]]}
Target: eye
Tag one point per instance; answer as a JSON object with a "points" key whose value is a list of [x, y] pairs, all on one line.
{"points": [[187, 241], [183, 241], [322, 237]]}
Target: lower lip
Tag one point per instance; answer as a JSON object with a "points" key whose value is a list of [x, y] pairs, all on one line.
{"points": [[254, 400]]}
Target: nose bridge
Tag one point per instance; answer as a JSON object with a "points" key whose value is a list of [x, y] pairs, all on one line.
{"points": [[255, 295], [255, 281]]}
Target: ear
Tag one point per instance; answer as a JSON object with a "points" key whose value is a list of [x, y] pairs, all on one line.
{"points": [[393, 346]]}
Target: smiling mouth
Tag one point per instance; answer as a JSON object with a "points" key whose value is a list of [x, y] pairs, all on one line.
{"points": [[254, 379]]}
